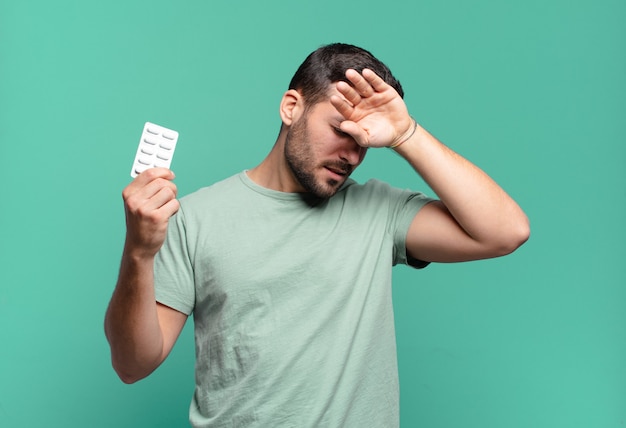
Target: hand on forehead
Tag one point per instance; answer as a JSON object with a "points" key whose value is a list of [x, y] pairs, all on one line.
{"points": [[366, 90], [374, 113]]}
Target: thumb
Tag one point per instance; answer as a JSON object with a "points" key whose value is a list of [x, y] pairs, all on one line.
{"points": [[360, 135]]}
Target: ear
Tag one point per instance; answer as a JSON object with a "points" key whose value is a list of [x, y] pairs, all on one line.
{"points": [[291, 106]]}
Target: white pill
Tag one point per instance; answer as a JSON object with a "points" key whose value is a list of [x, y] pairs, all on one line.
{"points": [[156, 148], [144, 160], [166, 145]]}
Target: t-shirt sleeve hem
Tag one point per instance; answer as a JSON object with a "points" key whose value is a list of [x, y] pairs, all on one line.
{"points": [[412, 207], [416, 263], [174, 304]]}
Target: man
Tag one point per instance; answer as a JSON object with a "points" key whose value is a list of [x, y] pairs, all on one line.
{"points": [[287, 267]]}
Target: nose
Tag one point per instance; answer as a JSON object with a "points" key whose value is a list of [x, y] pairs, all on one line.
{"points": [[351, 152]]}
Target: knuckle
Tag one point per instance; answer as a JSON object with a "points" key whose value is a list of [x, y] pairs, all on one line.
{"points": [[167, 186], [148, 215], [127, 192], [132, 204], [150, 174], [171, 193], [161, 182]]}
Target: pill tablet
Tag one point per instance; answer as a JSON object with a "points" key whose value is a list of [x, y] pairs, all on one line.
{"points": [[156, 148]]}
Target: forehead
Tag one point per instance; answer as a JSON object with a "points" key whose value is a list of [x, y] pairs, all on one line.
{"points": [[325, 108]]}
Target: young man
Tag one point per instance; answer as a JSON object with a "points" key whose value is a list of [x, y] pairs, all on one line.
{"points": [[287, 267]]}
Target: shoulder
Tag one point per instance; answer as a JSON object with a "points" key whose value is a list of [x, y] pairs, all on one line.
{"points": [[209, 194], [383, 199], [378, 190], [372, 186]]}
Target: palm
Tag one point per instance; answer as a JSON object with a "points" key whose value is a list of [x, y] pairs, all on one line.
{"points": [[375, 114]]}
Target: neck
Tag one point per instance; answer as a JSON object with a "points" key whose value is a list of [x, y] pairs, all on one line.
{"points": [[273, 172]]}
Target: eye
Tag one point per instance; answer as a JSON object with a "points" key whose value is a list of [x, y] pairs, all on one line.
{"points": [[339, 132]]}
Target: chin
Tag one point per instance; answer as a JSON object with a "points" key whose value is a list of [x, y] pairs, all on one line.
{"points": [[327, 189]]}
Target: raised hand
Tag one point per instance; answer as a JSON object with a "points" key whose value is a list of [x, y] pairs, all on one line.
{"points": [[375, 114], [149, 200]]}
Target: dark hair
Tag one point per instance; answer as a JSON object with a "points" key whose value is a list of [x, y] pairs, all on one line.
{"points": [[329, 63]]}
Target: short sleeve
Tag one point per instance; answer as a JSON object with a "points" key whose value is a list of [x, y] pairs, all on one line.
{"points": [[405, 206], [173, 270]]}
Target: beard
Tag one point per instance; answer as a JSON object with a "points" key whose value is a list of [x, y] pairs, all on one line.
{"points": [[301, 160]]}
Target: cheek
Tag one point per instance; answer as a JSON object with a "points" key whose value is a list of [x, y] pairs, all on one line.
{"points": [[320, 144], [362, 154]]}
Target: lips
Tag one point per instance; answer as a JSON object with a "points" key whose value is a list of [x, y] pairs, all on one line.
{"points": [[339, 168], [337, 171]]}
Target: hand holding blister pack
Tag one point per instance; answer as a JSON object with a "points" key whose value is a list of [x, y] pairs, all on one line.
{"points": [[156, 148]]}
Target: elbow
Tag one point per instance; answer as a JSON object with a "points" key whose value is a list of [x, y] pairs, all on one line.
{"points": [[128, 376], [123, 371], [130, 371], [128, 362], [522, 233], [128, 380], [513, 238]]}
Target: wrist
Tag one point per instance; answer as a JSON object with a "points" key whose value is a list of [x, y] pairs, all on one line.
{"points": [[137, 254], [406, 136], [417, 141]]}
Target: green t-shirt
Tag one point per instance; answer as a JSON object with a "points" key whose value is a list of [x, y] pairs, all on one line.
{"points": [[291, 298]]}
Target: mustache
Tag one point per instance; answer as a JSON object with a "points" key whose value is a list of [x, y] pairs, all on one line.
{"points": [[339, 166]]}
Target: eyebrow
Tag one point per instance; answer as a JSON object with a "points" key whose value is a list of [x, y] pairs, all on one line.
{"points": [[335, 122], [337, 117]]}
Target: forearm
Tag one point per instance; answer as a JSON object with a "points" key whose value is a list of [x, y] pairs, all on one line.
{"points": [[479, 205], [475, 219], [131, 323]]}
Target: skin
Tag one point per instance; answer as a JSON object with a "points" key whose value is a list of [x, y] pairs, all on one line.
{"points": [[317, 149], [320, 177], [320, 158]]}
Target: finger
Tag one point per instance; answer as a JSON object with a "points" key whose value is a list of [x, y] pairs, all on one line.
{"points": [[151, 175], [356, 132], [161, 198], [152, 189], [361, 85], [342, 106], [375, 80], [154, 173], [349, 93], [146, 177], [170, 208], [151, 196]]}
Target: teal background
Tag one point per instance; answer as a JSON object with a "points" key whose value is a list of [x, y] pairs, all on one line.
{"points": [[534, 92]]}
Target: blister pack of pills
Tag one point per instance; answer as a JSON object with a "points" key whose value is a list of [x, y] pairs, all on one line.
{"points": [[156, 148]]}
